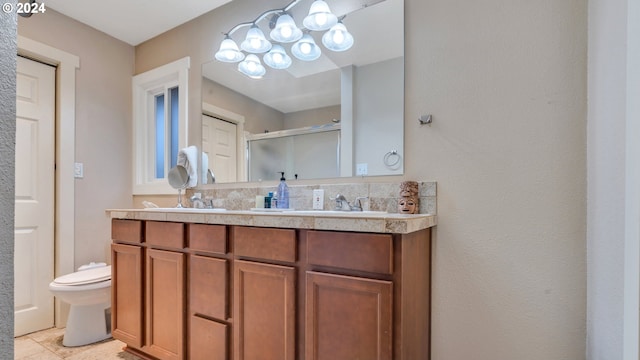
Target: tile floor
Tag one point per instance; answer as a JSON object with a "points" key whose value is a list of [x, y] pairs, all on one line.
{"points": [[47, 345]]}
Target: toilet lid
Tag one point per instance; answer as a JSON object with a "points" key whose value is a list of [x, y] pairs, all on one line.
{"points": [[85, 276]]}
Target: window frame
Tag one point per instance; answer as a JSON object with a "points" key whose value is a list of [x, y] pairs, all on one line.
{"points": [[145, 86]]}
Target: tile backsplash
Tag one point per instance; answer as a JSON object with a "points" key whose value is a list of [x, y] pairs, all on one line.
{"points": [[381, 196]]}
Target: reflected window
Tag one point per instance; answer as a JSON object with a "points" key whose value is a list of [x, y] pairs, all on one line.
{"points": [[166, 119]]}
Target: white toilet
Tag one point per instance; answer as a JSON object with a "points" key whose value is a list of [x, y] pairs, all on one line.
{"points": [[88, 291]]}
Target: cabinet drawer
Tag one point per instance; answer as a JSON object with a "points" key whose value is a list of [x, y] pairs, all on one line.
{"points": [[265, 243], [126, 230], [165, 234], [208, 287], [353, 251], [208, 340], [207, 238]]}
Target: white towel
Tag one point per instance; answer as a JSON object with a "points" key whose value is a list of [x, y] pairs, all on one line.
{"points": [[188, 157]]}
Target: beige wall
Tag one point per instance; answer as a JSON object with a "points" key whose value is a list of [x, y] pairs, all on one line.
{"points": [[103, 124], [506, 83]]}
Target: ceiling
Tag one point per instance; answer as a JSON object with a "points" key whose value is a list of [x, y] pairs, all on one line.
{"points": [[133, 21]]}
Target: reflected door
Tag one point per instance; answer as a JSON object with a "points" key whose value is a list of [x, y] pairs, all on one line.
{"points": [[219, 142], [34, 196]]}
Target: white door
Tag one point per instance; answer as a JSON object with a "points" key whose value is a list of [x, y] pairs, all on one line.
{"points": [[34, 202], [219, 142]]}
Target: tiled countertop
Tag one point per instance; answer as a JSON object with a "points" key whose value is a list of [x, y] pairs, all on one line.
{"points": [[374, 222]]}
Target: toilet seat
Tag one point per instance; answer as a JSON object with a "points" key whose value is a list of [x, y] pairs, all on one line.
{"points": [[85, 277]]}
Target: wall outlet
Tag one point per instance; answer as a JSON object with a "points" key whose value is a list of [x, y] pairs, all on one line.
{"points": [[318, 199], [361, 169]]}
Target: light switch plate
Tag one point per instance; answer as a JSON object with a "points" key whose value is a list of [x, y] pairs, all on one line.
{"points": [[318, 199], [78, 170]]}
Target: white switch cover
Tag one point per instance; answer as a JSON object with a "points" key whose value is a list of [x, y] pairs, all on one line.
{"points": [[318, 199], [78, 170], [361, 169]]}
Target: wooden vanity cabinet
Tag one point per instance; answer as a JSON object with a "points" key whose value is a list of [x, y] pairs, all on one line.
{"points": [[222, 292], [148, 287]]}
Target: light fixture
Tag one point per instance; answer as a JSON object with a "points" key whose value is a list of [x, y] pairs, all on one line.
{"points": [[229, 51], [252, 67], [285, 30], [255, 41], [277, 58], [337, 38], [306, 49], [320, 17]]}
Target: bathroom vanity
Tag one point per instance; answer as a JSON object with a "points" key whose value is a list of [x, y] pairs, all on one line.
{"points": [[245, 285]]}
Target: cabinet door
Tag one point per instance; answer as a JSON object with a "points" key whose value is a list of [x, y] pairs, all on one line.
{"points": [[348, 318], [264, 311], [126, 294], [165, 293]]}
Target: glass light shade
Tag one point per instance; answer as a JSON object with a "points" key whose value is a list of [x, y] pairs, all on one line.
{"points": [[252, 67], [277, 58], [285, 30], [320, 17], [306, 49], [338, 38], [255, 42], [229, 51]]}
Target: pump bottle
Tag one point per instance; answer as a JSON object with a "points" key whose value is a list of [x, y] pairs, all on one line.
{"points": [[283, 193]]}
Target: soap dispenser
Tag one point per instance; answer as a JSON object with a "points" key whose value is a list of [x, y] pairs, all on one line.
{"points": [[283, 193]]}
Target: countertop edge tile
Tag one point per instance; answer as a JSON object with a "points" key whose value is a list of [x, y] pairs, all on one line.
{"points": [[373, 223]]}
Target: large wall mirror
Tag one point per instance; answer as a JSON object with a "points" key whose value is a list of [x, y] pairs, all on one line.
{"points": [[340, 115]]}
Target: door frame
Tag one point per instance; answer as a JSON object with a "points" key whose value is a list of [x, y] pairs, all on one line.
{"points": [[65, 118]]}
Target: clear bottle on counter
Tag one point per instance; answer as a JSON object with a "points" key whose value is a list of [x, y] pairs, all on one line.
{"points": [[283, 193]]}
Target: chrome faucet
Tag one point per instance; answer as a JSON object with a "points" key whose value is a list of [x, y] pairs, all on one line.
{"points": [[198, 203], [341, 201], [343, 205]]}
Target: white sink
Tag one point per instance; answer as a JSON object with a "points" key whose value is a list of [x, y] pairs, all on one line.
{"points": [[185, 209], [338, 212], [317, 212]]}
